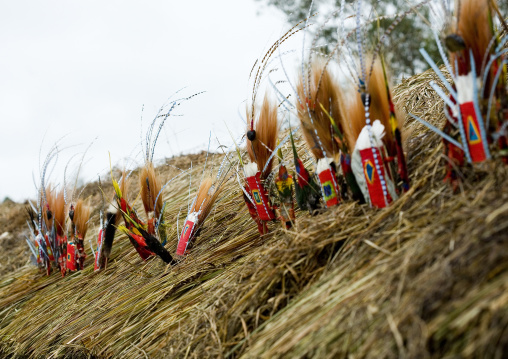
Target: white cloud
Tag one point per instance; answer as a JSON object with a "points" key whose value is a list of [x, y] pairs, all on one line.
{"points": [[85, 69]]}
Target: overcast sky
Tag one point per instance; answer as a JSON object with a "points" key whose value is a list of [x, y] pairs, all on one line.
{"points": [[82, 69]]}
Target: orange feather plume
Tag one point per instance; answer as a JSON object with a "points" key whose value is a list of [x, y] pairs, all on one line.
{"points": [[81, 217], [150, 188], [474, 28], [205, 198], [356, 118], [267, 130], [57, 206], [379, 110], [325, 91]]}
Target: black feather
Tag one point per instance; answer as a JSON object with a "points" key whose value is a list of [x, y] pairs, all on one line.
{"points": [[155, 246]]}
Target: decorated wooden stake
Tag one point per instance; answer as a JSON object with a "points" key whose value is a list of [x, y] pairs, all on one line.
{"points": [[373, 177], [369, 166], [249, 202], [328, 179], [188, 230], [259, 194], [285, 210], [469, 117], [72, 256]]}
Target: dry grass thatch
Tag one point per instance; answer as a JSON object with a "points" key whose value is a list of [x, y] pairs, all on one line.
{"points": [[13, 228], [424, 278]]}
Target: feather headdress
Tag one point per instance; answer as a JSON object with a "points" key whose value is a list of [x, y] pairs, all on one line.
{"points": [[57, 205]]}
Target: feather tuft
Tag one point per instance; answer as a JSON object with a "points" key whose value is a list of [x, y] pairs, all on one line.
{"points": [[81, 216], [474, 28], [379, 110], [267, 130], [205, 199], [150, 186], [325, 96]]}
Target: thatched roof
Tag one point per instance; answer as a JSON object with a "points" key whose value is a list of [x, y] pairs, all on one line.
{"points": [[426, 277]]}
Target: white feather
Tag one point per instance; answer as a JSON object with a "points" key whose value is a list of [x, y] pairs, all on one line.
{"points": [[250, 169], [378, 132], [193, 217], [112, 209], [323, 164], [464, 86]]}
